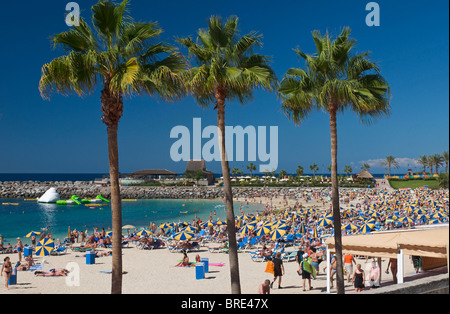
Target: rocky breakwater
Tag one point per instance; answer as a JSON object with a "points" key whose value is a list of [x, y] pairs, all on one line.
{"points": [[87, 189]]}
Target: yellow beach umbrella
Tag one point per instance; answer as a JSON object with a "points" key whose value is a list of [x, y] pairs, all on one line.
{"points": [[143, 232], [183, 236], [44, 247], [275, 234], [262, 231], [32, 233]]}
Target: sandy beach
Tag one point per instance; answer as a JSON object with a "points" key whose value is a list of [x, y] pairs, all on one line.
{"points": [[154, 271]]}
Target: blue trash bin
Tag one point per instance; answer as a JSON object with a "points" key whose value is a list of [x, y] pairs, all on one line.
{"points": [[199, 271], [27, 251], [205, 261], [90, 258]]}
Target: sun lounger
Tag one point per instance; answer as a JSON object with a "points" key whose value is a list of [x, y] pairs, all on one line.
{"points": [[289, 256]]}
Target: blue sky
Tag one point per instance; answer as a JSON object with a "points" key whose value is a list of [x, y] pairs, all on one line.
{"points": [[66, 134]]}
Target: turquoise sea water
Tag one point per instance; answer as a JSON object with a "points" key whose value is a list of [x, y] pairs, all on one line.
{"points": [[17, 221]]}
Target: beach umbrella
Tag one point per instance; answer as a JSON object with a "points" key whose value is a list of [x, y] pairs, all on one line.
{"points": [[245, 217], [350, 226], [128, 227], [32, 233], [251, 225], [365, 228], [109, 234], [275, 234], [190, 229], [44, 247], [143, 232], [207, 224], [438, 215], [267, 224], [315, 233], [407, 219], [302, 228], [220, 222], [323, 222], [434, 221], [245, 229], [262, 231], [183, 236], [420, 211]]}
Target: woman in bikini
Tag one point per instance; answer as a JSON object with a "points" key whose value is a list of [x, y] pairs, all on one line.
{"points": [[6, 269]]}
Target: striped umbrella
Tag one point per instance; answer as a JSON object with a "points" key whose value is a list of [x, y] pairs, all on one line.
{"points": [[190, 229], [302, 228], [275, 234], [323, 222], [350, 226], [262, 231], [365, 228], [183, 236], [315, 232], [438, 215], [220, 222], [44, 247], [433, 221], [407, 219], [245, 229], [32, 233], [207, 224], [143, 232]]}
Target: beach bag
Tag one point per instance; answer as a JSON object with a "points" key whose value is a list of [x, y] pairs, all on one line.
{"points": [[270, 268]]}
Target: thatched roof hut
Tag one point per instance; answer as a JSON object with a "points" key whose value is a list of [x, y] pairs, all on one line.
{"points": [[364, 175]]}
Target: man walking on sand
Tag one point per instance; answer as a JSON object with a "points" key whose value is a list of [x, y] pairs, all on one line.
{"points": [[278, 270]]}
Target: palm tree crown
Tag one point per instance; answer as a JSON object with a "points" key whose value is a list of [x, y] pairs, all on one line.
{"points": [[116, 51], [227, 66]]}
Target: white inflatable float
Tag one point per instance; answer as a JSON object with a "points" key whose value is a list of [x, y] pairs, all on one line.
{"points": [[51, 196]]}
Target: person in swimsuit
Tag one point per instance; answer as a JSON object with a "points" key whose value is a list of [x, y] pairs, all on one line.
{"points": [[393, 264], [6, 269], [358, 278], [19, 248]]}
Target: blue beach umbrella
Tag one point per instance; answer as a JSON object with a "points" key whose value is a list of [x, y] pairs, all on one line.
{"points": [[302, 228], [277, 233], [44, 247], [262, 231], [407, 219], [32, 233], [143, 232], [365, 228], [323, 222], [183, 236]]}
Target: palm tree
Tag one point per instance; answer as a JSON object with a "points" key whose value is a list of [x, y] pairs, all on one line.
{"points": [[282, 174], [299, 171], [365, 167], [251, 167], [335, 80], [390, 162], [348, 170], [437, 161], [423, 161], [430, 161], [227, 69], [314, 168], [123, 57], [445, 159]]}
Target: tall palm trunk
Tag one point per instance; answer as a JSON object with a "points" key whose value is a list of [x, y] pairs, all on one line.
{"points": [[112, 108], [336, 207], [231, 227]]}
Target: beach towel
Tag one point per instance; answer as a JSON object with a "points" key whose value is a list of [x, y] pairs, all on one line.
{"points": [[306, 264], [270, 268]]}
